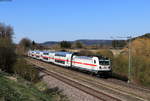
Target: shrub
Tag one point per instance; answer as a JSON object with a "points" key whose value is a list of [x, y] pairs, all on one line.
{"points": [[105, 52], [19, 91], [86, 52], [120, 65], [25, 70], [56, 93], [139, 68]]}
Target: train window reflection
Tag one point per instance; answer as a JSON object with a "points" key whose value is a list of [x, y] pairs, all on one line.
{"points": [[103, 62]]}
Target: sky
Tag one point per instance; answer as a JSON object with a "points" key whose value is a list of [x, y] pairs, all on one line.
{"points": [[57, 20]]}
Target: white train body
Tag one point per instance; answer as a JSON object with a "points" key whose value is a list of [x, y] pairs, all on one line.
{"points": [[63, 58], [38, 55], [47, 56], [32, 54], [29, 53], [93, 64]]}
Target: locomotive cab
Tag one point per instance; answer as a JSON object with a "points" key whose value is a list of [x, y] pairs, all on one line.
{"points": [[103, 64]]}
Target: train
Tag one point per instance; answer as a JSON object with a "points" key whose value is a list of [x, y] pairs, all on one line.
{"points": [[98, 65]]}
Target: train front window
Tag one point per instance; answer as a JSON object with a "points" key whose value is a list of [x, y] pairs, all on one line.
{"points": [[104, 62]]}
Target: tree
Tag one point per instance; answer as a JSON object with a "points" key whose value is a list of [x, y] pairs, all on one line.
{"points": [[65, 44], [33, 43], [105, 52], [24, 46], [6, 32], [114, 43], [79, 44], [7, 48], [118, 43], [85, 52], [26, 43]]}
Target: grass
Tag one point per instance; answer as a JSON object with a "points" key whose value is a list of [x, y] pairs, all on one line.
{"points": [[26, 85], [11, 90]]}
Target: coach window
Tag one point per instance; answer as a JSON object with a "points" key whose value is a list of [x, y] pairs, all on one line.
{"points": [[95, 61]]}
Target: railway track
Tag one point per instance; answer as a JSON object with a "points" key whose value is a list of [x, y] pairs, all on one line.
{"points": [[95, 82], [95, 93], [132, 86]]}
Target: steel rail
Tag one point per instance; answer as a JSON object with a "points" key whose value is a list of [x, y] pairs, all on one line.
{"points": [[82, 87]]}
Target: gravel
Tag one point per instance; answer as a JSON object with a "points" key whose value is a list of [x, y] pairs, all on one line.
{"points": [[72, 93]]}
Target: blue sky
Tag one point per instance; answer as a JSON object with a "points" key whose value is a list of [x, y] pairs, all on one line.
{"points": [[55, 20]]}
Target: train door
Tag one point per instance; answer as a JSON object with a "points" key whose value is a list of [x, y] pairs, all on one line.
{"points": [[67, 60], [95, 64]]}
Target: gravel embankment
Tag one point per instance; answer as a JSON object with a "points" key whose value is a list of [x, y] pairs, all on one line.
{"points": [[72, 93]]}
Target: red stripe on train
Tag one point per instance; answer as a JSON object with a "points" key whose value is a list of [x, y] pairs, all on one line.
{"points": [[70, 61]]}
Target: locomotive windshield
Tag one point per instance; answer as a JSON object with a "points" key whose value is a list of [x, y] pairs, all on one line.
{"points": [[104, 62]]}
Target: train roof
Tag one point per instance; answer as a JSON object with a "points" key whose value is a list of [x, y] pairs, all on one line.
{"points": [[48, 51], [90, 56], [59, 52], [63, 53], [84, 57]]}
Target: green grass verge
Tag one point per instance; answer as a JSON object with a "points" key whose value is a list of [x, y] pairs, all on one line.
{"points": [[11, 90]]}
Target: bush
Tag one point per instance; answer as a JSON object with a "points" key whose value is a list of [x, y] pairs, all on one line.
{"points": [[56, 93], [120, 65], [86, 52], [18, 91], [139, 68], [25, 70], [105, 52]]}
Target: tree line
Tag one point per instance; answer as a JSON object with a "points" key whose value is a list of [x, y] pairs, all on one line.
{"points": [[11, 60], [7, 48]]}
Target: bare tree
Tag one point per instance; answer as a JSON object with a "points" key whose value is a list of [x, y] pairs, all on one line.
{"points": [[24, 46], [7, 48]]}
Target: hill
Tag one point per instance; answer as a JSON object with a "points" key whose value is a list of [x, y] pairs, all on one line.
{"points": [[84, 41], [49, 43], [141, 46], [95, 42], [89, 42], [146, 35], [140, 61]]}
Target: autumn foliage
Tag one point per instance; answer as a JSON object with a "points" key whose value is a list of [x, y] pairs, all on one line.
{"points": [[140, 61]]}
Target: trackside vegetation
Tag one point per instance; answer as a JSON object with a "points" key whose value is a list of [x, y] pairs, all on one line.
{"points": [[140, 61], [25, 70], [18, 89], [20, 81], [11, 90], [139, 70], [7, 48]]}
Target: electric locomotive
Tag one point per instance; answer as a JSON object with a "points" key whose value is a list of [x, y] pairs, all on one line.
{"points": [[93, 64]]}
